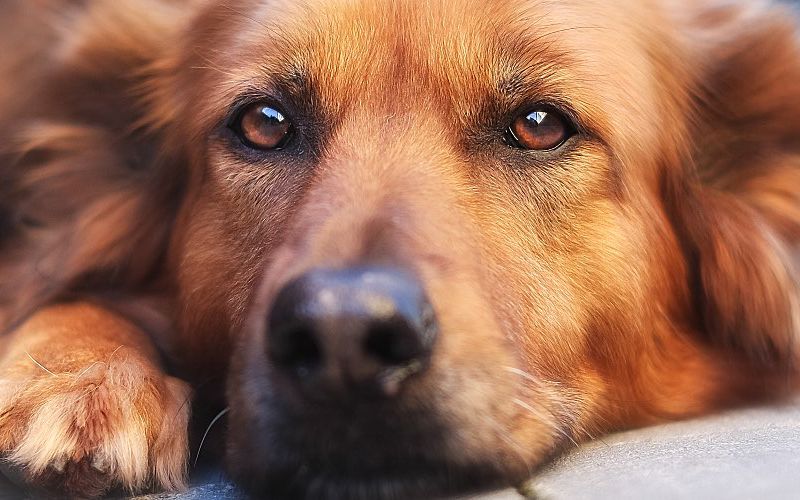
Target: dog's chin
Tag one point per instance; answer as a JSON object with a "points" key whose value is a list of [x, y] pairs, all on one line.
{"points": [[399, 457], [353, 480]]}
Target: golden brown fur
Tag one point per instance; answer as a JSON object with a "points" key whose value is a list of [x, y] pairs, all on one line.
{"points": [[647, 272]]}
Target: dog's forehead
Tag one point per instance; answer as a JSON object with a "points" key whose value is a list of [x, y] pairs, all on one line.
{"points": [[455, 54], [355, 43]]}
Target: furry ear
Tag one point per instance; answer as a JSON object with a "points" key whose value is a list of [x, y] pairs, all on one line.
{"points": [[86, 194], [737, 205]]}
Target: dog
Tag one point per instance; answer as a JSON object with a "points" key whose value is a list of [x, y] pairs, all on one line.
{"points": [[412, 249]]}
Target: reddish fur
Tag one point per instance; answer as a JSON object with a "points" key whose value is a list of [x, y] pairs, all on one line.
{"points": [[651, 273]]}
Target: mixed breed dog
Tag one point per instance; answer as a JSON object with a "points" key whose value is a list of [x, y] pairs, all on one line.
{"points": [[413, 248]]}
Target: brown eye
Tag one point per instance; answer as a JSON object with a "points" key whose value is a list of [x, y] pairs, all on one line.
{"points": [[261, 126], [539, 130]]}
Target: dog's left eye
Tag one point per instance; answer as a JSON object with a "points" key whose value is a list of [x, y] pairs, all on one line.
{"points": [[262, 126], [540, 129]]}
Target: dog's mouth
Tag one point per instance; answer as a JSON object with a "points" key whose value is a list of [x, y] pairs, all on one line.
{"points": [[369, 454], [371, 447]]}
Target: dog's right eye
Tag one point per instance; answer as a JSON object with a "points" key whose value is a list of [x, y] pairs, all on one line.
{"points": [[262, 126], [540, 129]]}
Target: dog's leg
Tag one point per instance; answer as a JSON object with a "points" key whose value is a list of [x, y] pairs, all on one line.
{"points": [[85, 406]]}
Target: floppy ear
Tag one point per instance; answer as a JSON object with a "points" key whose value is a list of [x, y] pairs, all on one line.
{"points": [[86, 195], [736, 203]]}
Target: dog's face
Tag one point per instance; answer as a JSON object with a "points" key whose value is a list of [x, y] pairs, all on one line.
{"points": [[429, 243], [439, 235], [441, 231]]}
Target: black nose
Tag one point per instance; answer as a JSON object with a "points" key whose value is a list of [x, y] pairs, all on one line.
{"points": [[362, 330]]}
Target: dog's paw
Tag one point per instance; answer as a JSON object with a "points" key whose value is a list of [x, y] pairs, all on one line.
{"points": [[118, 423]]}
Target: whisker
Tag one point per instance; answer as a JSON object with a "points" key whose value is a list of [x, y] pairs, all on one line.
{"points": [[533, 379], [107, 363], [523, 374], [205, 434], [542, 418], [111, 356], [83, 372], [39, 364]]}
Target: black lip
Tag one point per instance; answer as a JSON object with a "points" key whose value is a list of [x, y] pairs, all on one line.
{"points": [[418, 480]]}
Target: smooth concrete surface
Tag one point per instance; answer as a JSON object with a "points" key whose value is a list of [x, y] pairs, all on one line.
{"points": [[744, 454]]}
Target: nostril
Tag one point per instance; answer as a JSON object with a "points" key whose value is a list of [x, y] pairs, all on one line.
{"points": [[392, 343], [295, 347]]}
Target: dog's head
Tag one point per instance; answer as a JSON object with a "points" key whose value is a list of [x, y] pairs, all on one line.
{"points": [[447, 239]]}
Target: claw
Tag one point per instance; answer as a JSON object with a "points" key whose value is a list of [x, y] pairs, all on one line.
{"points": [[99, 464], [60, 463]]}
